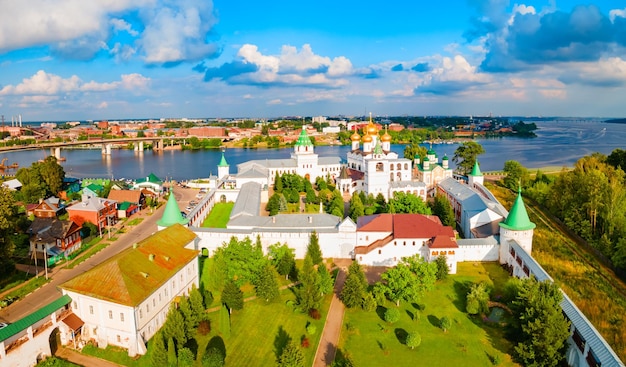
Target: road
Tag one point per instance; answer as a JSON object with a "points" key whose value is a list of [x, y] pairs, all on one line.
{"points": [[50, 291]]}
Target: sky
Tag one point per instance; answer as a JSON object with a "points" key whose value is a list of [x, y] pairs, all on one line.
{"points": [[65, 60]]}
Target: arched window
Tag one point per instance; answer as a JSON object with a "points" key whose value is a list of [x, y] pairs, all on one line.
{"points": [[399, 166], [391, 166], [406, 166], [379, 167]]}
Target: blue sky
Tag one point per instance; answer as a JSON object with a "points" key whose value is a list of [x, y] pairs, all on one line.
{"points": [[115, 59]]}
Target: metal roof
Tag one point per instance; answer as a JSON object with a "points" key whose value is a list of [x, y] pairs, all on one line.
{"points": [[248, 201], [34, 317]]}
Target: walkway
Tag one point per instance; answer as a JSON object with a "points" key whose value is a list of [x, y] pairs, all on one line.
{"points": [[327, 346], [83, 359]]}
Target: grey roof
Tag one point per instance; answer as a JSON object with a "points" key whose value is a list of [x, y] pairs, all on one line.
{"points": [[287, 222], [248, 201], [267, 164], [470, 200], [596, 342], [48, 230], [13, 184], [91, 204], [403, 184], [254, 172], [327, 161], [491, 241]]}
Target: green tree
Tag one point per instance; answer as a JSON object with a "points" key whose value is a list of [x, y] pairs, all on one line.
{"points": [[185, 357], [442, 267], [392, 315], [465, 156], [352, 292], [191, 319], [516, 175], [313, 249], [539, 325], [356, 207], [413, 340], [442, 208], [174, 326], [283, 259], [326, 280], [399, 282], [308, 293], [477, 299], [232, 296], [445, 323], [7, 219], [52, 174], [171, 353], [213, 357], [291, 356], [412, 150], [158, 355], [407, 203], [266, 285], [240, 261], [197, 303]]}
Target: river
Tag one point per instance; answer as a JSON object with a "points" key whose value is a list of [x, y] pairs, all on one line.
{"points": [[557, 144]]}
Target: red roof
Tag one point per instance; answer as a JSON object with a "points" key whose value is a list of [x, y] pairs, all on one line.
{"points": [[375, 223], [405, 225], [443, 241]]}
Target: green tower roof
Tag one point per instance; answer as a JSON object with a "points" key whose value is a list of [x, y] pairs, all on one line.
{"points": [[518, 220], [171, 213], [378, 149], [476, 170], [303, 139], [445, 157], [223, 162]]}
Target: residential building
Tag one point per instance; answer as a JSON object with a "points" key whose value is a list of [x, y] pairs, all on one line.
{"points": [[52, 239], [98, 211]]}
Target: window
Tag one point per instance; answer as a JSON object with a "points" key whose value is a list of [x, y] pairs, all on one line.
{"points": [[91, 310], [75, 305], [147, 307], [121, 316], [140, 314], [379, 252], [119, 339], [110, 314]]}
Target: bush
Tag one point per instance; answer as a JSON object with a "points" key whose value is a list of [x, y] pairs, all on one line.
{"points": [[413, 340], [204, 327], [392, 315], [445, 323], [369, 303], [315, 314], [304, 343], [311, 329]]}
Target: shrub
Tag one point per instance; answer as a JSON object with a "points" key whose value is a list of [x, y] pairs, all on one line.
{"points": [[445, 323], [311, 329], [204, 327], [413, 340], [369, 303], [392, 315], [315, 314], [304, 343]]}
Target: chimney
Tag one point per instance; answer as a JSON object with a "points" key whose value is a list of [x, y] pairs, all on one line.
{"points": [[310, 219], [273, 219], [135, 245], [151, 257]]}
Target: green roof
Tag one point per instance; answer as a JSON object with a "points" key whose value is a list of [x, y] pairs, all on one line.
{"points": [[171, 213], [378, 149], [95, 187], [137, 272], [445, 157], [151, 178], [223, 162], [125, 205], [476, 170], [303, 139], [34, 317], [431, 152], [518, 220]]}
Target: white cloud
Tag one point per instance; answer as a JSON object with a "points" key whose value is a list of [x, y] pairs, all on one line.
{"points": [[102, 106], [614, 13], [176, 31], [274, 102], [120, 25], [42, 83]]}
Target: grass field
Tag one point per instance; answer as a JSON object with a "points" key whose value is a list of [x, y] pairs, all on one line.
{"points": [[370, 341], [219, 215], [593, 288]]}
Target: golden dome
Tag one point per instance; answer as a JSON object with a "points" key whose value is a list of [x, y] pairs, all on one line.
{"points": [[371, 129], [367, 138], [386, 137], [355, 136]]}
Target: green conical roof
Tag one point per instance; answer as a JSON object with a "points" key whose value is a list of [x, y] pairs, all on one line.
{"points": [[445, 157], [476, 170], [303, 139], [378, 149], [171, 213], [518, 220], [223, 162]]}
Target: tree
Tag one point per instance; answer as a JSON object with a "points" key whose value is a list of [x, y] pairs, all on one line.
{"points": [[442, 267], [158, 353], [465, 156], [283, 259], [412, 150], [352, 292], [442, 208], [266, 285], [313, 249], [7, 220], [356, 207], [308, 293], [232, 296], [240, 261], [191, 319], [185, 357], [392, 315], [213, 357], [413, 340], [477, 299], [291, 356], [52, 174], [326, 280], [399, 282], [171, 353], [445, 323], [174, 326], [197, 303], [407, 203], [539, 325], [516, 175]]}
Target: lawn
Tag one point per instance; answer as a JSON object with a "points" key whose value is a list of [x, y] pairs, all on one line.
{"points": [[370, 341], [219, 215]]}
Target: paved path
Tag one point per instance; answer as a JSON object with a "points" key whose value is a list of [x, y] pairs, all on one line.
{"points": [[83, 359], [327, 347]]}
